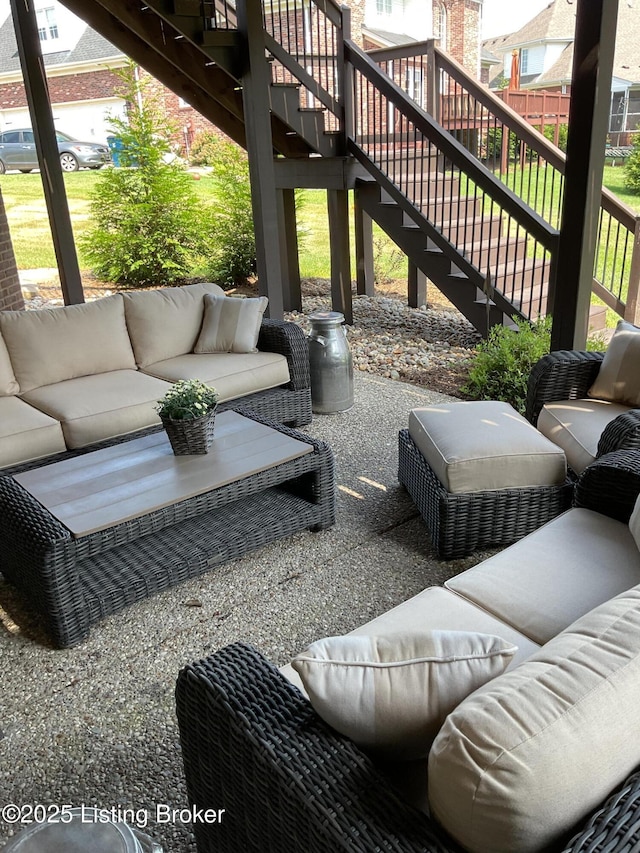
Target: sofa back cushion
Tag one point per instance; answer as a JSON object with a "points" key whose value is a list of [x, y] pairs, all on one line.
{"points": [[8, 384], [165, 323], [54, 344], [618, 379], [530, 754]]}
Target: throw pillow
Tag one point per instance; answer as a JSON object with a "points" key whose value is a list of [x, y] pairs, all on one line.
{"points": [[230, 324], [618, 380], [391, 694]]}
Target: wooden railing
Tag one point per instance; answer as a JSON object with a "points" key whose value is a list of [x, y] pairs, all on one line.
{"points": [[470, 207], [519, 155]]}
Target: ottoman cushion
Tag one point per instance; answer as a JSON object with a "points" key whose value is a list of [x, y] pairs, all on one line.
{"points": [[484, 445]]}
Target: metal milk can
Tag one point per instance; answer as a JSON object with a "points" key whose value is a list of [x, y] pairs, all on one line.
{"points": [[331, 364]]}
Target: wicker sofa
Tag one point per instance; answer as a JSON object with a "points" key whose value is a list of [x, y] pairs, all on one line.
{"points": [[77, 375], [253, 744]]}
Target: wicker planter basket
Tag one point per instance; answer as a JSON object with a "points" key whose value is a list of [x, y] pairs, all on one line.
{"points": [[190, 437]]}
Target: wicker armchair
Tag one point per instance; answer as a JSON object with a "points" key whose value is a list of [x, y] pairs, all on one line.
{"points": [[568, 375], [253, 745]]}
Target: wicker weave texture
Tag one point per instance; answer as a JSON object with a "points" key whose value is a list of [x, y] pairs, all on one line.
{"points": [[253, 745], [562, 375], [463, 523], [610, 485], [190, 437], [74, 582]]}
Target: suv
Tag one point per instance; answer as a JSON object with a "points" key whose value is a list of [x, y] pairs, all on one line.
{"points": [[18, 151]]}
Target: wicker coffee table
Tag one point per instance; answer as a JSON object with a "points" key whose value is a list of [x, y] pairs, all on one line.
{"points": [[87, 536]]}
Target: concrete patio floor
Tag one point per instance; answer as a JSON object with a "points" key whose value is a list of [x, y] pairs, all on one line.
{"points": [[95, 725]]}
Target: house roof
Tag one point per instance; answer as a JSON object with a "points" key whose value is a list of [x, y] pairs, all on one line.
{"points": [[556, 23], [91, 47], [387, 39]]}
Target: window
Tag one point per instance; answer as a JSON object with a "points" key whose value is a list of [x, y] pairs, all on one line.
{"points": [[11, 136], [524, 60], [413, 84], [384, 7], [440, 23], [47, 26]]}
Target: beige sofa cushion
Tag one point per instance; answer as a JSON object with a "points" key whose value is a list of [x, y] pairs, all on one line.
{"points": [[618, 379], [54, 344], [230, 324], [26, 433], [479, 446], [8, 384], [165, 323], [392, 693], [576, 427], [547, 580], [531, 753], [93, 408], [231, 374]]}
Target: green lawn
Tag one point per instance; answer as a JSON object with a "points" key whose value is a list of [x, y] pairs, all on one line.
{"points": [[33, 246]]}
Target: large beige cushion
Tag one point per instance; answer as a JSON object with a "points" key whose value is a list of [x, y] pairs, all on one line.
{"points": [[479, 446], [553, 576], [392, 693], [54, 344], [93, 408], [26, 433], [576, 427], [618, 379], [8, 384], [165, 323], [531, 753], [230, 324], [231, 374]]}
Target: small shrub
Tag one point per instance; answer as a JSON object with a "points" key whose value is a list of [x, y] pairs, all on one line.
{"points": [[388, 260], [549, 133], [146, 216], [632, 167], [503, 362]]}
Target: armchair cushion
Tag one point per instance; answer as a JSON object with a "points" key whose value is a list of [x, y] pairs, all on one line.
{"points": [[619, 377], [230, 324], [392, 693], [576, 427], [8, 384]]}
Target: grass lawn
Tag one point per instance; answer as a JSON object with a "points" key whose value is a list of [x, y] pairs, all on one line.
{"points": [[28, 221]]}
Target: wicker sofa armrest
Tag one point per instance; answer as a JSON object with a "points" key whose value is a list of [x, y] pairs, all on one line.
{"points": [[289, 340], [622, 433], [615, 826], [252, 744], [561, 375], [610, 485]]}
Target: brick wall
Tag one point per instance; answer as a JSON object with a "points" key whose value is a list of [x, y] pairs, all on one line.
{"points": [[69, 88], [10, 292], [463, 34]]}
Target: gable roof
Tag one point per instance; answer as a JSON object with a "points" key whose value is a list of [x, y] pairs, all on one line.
{"points": [[557, 23], [91, 47]]}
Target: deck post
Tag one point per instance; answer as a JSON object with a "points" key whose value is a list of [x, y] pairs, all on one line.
{"points": [[593, 52], [37, 91], [338, 208], [288, 228], [257, 117], [365, 276]]}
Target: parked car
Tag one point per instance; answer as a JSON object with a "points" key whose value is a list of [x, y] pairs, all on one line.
{"points": [[18, 151]]}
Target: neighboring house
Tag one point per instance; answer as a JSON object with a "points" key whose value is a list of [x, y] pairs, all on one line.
{"points": [[545, 51], [454, 23], [82, 86]]}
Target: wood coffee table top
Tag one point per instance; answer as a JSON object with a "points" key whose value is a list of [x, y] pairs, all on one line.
{"points": [[107, 487]]}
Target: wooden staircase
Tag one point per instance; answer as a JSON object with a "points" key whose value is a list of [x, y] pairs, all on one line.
{"points": [[334, 112]]}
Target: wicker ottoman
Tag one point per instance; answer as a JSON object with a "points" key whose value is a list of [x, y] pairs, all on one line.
{"points": [[480, 475]]}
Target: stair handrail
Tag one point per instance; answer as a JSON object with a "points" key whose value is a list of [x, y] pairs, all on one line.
{"points": [[452, 149], [618, 243]]}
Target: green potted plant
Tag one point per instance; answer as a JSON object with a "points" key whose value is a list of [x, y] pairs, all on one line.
{"points": [[187, 412]]}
